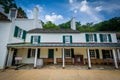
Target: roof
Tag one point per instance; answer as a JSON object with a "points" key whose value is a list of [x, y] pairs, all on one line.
{"points": [[3, 17], [64, 45], [39, 30]]}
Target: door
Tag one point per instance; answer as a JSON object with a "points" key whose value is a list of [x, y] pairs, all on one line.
{"points": [[51, 53], [14, 55]]}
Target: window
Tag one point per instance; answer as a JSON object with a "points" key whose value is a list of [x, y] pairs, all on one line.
{"points": [[107, 54], [92, 54], [67, 53], [35, 39], [91, 38], [32, 52], [67, 39], [19, 33], [105, 38]]}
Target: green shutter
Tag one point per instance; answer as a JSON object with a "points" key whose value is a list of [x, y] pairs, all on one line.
{"points": [[63, 39], [31, 39], [29, 52], [70, 39], [72, 53], [101, 37], [95, 37], [16, 31], [38, 53], [38, 39], [97, 54], [24, 34], [87, 37], [109, 37]]}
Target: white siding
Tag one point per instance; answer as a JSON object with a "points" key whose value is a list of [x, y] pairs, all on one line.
{"points": [[4, 35], [76, 37]]}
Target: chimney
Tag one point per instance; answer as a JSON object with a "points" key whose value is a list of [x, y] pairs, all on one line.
{"points": [[13, 13], [35, 13], [73, 24]]}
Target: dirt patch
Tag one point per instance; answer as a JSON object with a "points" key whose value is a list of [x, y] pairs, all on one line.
{"points": [[60, 74]]}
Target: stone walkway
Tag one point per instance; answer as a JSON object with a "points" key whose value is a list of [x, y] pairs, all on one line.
{"points": [[59, 74]]}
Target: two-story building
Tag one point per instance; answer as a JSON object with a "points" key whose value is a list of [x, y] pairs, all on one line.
{"points": [[27, 40]]}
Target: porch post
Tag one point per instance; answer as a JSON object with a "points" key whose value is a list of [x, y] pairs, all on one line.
{"points": [[89, 61], [63, 58], [35, 60], [118, 51], [115, 59]]}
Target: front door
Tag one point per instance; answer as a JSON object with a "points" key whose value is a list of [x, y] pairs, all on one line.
{"points": [[14, 55], [51, 53]]}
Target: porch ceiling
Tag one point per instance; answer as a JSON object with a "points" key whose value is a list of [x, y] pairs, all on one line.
{"points": [[64, 45]]}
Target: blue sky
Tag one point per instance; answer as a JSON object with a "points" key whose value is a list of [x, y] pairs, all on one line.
{"points": [[60, 11]]}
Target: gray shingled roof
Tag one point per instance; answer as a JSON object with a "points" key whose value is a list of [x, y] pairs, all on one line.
{"points": [[39, 30], [65, 45]]}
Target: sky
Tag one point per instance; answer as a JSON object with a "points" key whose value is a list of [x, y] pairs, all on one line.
{"points": [[60, 11]]}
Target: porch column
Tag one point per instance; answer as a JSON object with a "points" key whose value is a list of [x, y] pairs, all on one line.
{"points": [[89, 61], [115, 59], [118, 51], [63, 58], [35, 60]]}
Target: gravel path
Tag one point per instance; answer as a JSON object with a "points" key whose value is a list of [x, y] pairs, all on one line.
{"points": [[59, 74]]}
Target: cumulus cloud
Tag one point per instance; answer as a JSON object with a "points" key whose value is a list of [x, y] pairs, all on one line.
{"points": [[85, 9], [53, 17]]}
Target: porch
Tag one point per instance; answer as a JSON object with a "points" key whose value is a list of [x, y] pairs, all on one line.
{"points": [[81, 56]]}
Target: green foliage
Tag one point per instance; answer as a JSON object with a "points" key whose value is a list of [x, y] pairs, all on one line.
{"points": [[109, 25], [65, 25], [7, 4], [50, 25]]}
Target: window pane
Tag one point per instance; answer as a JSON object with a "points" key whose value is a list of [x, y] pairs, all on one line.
{"points": [[67, 39], [67, 53], [35, 39], [20, 32]]}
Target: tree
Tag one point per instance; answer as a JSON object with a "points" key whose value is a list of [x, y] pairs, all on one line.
{"points": [[50, 25], [65, 25]]}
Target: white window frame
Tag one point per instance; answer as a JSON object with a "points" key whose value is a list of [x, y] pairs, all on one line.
{"points": [[20, 33], [32, 54], [92, 51], [35, 39], [105, 38], [66, 56], [67, 38], [91, 38]]}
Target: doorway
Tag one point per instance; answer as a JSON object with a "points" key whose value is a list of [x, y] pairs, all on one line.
{"points": [[14, 55], [51, 53]]}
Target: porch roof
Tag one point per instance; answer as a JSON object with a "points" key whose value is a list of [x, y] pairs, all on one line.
{"points": [[64, 45]]}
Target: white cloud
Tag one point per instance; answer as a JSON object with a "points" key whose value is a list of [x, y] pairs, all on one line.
{"points": [[91, 13], [71, 1], [54, 18], [99, 8], [29, 13]]}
